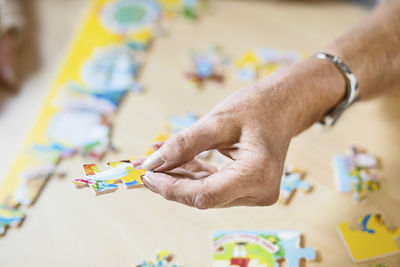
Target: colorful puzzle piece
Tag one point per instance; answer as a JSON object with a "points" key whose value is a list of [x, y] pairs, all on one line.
{"points": [[373, 241], [258, 248], [292, 180], [353, 173], [178, 123], [190, 9], [260, 62], [207, 66], [102, 182], [9, 218], [163, 259]]}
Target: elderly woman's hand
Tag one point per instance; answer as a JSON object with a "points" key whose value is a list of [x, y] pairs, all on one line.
{"points": [[253, 127]]}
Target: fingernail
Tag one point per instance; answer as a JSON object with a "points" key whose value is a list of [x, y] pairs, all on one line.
{"points": [[152, 162], [147, 182]]}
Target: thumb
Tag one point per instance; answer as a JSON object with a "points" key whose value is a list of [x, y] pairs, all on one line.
{"points": [[184, 146]]}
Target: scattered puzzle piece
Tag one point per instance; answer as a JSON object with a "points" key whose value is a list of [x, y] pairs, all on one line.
{"points": [[163, 259], [102, 182], [9, 218], [178, 123], [373, 241], [190, 9], [260, 62], [207, 66], [292, 180], [258, 248], [353, 173]]}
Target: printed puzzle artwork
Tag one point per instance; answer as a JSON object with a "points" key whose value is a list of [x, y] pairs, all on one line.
{"points": [[9, 218], [260, 62], [292, 180], [207, 66], [102, 182], [163, 259], [100, 69], [354, 173], [373, 241], [259, 248], [190, 9]]}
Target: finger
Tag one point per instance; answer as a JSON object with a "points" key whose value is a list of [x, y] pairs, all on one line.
{"points": [[138, 163], [156, 146], [216, 190], [197, 166], [182, 147]]}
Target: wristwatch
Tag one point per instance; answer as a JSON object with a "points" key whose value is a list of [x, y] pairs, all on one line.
{"points": [[353, 91]]}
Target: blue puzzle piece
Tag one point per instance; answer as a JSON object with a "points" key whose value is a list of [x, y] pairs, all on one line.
{"points": [[178, 123], [343, 179]]}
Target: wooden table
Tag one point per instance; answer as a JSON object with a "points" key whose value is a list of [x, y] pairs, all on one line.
{"points": [[68, 227]]}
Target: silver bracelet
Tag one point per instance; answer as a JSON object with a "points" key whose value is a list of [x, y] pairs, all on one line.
{"points": [[353, 92]]}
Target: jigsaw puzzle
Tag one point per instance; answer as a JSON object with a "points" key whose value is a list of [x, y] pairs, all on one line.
{"points": [[100, 68], [354, 173], [259, 248], [292, 181], [207, 66], [260, 62], [373, 241], [163, 259], [102, 182], [9, 218]]}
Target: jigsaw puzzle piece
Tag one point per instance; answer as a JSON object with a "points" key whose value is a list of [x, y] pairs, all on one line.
{"points": [[373, 241], [9, 218], [178, 123], [291, 181], [106, 181], [343, 177], [293, 252]]}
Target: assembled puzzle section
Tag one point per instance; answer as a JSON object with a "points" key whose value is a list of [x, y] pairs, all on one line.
{"points": [[374, 240], [102, 182], [101, 67], [355, 173], [259, 248], [292, 180], [9, 218], [163, 258]]}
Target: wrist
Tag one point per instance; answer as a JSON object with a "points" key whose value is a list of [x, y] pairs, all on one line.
{"points": [[316, 87]]}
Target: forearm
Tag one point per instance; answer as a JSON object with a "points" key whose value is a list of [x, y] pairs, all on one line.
{"points": [[372, 50]]}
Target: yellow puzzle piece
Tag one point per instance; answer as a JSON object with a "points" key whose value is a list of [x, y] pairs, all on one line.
{"points": [[373, 241]]}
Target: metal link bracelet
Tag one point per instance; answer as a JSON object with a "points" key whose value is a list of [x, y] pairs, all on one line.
{"points": [[353, 92]]}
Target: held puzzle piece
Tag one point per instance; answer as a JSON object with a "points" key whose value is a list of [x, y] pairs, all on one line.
{"points": [[292, 180], [9, 218], [259, 248], [353, 173], [102, 182], [373, 241], [163, 259]]}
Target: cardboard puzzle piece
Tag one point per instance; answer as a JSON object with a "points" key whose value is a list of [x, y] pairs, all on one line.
{"points": [[292, 180], [163, 259], [260, 62], [207, 66], [178, 123], [373, 241], [9, 218], [102, 182], [259, 248], [190, 9], [354, 173]]}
